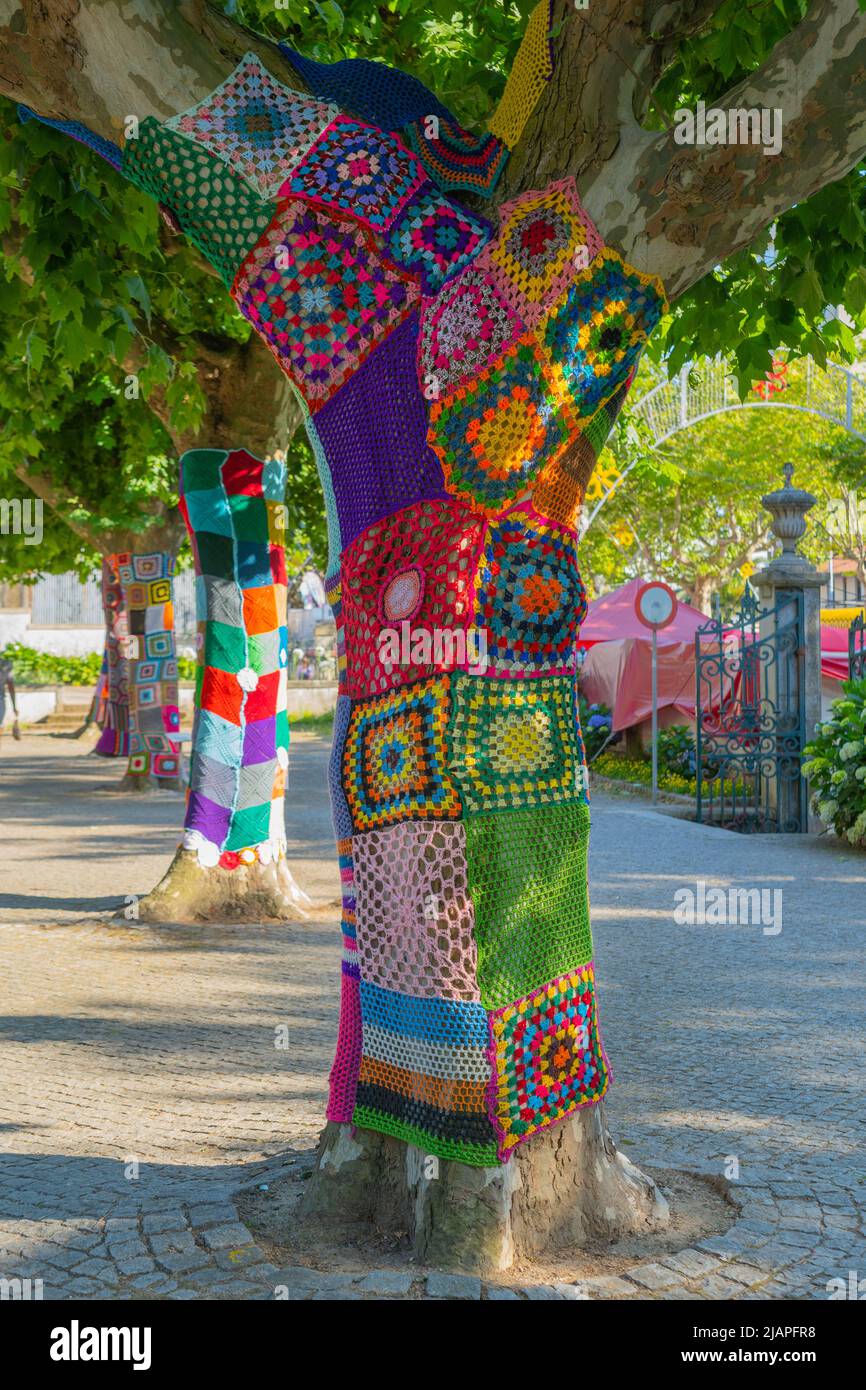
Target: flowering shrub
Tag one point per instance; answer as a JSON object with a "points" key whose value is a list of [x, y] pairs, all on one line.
{"points": [[595, 725], [836, 765]]}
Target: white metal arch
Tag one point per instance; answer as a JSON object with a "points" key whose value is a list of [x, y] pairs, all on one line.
{"points": [[837, 394]]}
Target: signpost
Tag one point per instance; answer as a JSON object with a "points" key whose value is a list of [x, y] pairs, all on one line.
{"points": [[655, 605]]}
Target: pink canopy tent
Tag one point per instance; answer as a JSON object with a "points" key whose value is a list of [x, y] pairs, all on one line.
{"points": [[617, 667], [834, 652]]}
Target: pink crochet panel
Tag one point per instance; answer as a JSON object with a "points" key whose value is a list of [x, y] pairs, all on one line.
{"points": [[415, 916]]}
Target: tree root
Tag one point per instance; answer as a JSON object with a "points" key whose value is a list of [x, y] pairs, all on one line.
{"points": [[567, 1186], [249, 893]]}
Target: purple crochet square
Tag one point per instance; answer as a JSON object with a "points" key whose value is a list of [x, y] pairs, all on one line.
{"points": [[209, 819], [260, 741], [374, 434]]}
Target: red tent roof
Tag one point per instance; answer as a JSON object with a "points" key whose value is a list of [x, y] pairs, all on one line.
{"points": [[611, 618]]}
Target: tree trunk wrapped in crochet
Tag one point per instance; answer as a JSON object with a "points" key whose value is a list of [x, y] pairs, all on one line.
{"points": [[112, 715], [458, 374], [146, 583], [232, 858], [141, 711]]}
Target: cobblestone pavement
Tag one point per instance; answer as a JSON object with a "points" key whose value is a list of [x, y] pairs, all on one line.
{"points": [[141, 1080]]}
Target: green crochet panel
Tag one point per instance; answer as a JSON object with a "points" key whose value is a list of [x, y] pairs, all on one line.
{"points": [[527, 877], [216, 209]]}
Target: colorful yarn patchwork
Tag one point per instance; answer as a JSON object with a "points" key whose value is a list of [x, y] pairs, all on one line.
{"points": [[425, 1074], [435, 239], [215, 208], [530, 73], [230, 502], [513, 743], [457, 390], [544, 239], [376, 92], [317, 291], [559, 490], [547, 1058], [114, 739], [530, 599], [463, 329], [495, 434], [360, 170], [374, 435], [596, 331], [455, 160], [394, 764], [151, 664], [256, 125], [407, 595], [527, 877], [415, 917]]}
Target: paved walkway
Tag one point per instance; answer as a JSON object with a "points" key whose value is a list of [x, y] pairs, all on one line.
{"points": [[141, 1084]]}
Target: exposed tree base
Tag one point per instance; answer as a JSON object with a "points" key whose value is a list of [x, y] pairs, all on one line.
{"points": [[564, 1188], [249, 893], [143, 782]]}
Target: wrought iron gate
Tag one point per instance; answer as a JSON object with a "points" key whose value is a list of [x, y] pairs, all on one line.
{"points": [[857, 649], [750, 719]]}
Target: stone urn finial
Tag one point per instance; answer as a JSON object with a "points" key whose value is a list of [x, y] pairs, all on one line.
{"points": [[789, 506]]}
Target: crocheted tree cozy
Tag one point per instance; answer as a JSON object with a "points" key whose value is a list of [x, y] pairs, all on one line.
{"points": [[458, 381], [113, 718], [151, 664], [233, 506]]}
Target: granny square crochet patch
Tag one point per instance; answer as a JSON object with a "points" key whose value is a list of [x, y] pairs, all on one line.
{"points": [[597, 329], [547, 1058], [435, 239], [360, 170], [407, 595], [457, 161], [216, 209], [527, 876], [415, 918], [464, 328], [425, 1074], [514, 743], [529, 599], [544, 239], [256, 125], [394, 763], [494, 434], [316, 290]]}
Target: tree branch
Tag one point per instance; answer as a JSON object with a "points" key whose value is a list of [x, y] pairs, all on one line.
{"points": [[678, 210]]}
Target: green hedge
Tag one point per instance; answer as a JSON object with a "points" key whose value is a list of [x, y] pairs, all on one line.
{"points": [[836, 765], [30, 667]]}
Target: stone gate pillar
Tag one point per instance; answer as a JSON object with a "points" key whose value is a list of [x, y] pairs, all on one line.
{"points": [[789, 591]]}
